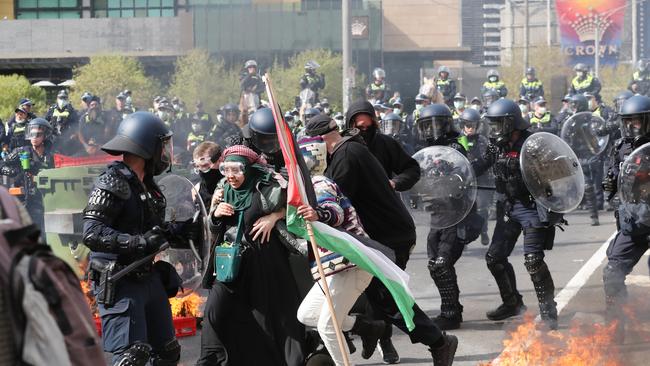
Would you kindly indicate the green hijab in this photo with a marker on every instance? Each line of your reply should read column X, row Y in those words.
column 242, row 197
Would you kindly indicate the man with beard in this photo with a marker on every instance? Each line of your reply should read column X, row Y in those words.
column 351, row 165
column 228, row 126
column 205, row 158
column 94, row 126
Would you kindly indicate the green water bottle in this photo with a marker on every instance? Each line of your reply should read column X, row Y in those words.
column 25, row 161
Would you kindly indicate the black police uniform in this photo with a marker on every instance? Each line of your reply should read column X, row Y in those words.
column 123, row 223
column 477, row 145
column 62, row 118
column 32, row 196
column 631, row 240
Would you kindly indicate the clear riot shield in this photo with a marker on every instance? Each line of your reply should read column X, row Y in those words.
column 183, row 204
column 552, row 172
column 634, row 186
column 447, row 185
column 582, row 132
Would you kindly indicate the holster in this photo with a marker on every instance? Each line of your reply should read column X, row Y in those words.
column 100, row 271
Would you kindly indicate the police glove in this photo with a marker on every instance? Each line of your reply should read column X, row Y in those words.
column 491, row 154
column 609, row 184
column 153, row 240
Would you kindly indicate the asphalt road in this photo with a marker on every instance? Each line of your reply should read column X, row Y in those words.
column 481, row 340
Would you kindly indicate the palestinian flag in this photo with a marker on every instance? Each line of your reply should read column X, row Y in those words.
column 301, row 191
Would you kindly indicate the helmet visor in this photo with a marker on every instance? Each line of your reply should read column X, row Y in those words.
column 267, row 143
column 167, row 154
column 501, row 126
column 434, row 127
column 35, row 132
column 390, row 126
column 634, row 126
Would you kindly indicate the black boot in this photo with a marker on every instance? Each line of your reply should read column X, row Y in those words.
column 592, row 205
column 451, row 311
column 544, row 288
column 444, row 355
column 370, row 331
column 348, row 340
column 388, row 351
column 504, row 275
column 614, row 313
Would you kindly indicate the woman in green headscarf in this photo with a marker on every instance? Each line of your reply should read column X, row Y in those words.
column 251, row 320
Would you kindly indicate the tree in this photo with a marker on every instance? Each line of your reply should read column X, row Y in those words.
column 106, row 76
column 14, row 88
column 614, row 80
column 286, row 79
column 198, row 77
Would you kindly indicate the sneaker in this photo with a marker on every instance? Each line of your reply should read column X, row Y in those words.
column 506, row 311
column 444, row 355
column 595, row 222
column 388, row 351
column 448, row 323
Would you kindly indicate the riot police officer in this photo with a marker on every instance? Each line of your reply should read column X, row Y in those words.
column 61, row 115
column 517, row 211
column 228, row 126
column 124, row 223
column 260, row 135
column 460, row 103
column 445, row 85
column 30, row 160
column 631, row 240
column 583, row 81
column 378, row 89
column 17, row 126
column 445, row 246
column 541, row 119
column 493, row 83
column 531, row 87
column 490, row 96
column 311, row 80
column 250, row 81
column 477, row 143
column 393, row 125
column 640, row 83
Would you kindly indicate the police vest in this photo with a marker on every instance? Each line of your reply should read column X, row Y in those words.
column 582, row 85
column 59, row 115
column 531, row 85
column 493, row 85
column 546, row 118
column 192, row 137
column 637, row 76
column 97, row 120
column 464, row 142
column 444, row 86
column 19, row 128
column 375, row 87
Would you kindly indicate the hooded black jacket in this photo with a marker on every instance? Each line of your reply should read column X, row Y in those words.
column 362, row 179
column 402, row 169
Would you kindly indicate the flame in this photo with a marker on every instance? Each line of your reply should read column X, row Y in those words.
column 187, row 306
column 90, row 299
column 583, row 344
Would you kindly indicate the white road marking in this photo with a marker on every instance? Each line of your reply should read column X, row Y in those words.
column 581, row 277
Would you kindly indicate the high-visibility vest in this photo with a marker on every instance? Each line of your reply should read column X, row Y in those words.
column 582, row 84
column 546, row 118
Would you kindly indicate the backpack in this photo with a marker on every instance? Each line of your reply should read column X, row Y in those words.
column 50, row 321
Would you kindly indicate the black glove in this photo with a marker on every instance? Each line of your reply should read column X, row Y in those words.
column 491, row 154
column 609, row 184
column 191, row 230
column 154, row 239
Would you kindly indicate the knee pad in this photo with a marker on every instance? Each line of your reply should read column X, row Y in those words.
column 495, row 264
column 438, row 266
column 535, row 265
column 137, row 354
column 614, row 278
column 169, row 355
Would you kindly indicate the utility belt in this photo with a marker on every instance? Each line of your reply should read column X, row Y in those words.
column 105, row 275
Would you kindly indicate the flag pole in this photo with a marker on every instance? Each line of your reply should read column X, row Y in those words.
column 328, row 296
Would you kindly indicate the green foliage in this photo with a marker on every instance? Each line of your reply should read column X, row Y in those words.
column 286, row 79
column 614, row 80
column 14, row 88
column 547, row 61
column 197, row 77
column 108, row 75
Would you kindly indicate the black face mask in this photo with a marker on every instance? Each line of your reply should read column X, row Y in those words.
column 211, row 179
column 368, row 134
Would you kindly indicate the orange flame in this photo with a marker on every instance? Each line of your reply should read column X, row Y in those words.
column 90, row 299
column 188, row 306
column 584, row 344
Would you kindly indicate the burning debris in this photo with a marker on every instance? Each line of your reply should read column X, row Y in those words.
column 188, row 306
column 582, row 345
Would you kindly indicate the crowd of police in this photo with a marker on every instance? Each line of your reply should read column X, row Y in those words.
column 362, row 168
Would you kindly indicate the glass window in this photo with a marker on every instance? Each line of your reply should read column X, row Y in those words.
column 48, row 14
column 154, row 3
column 153, row 13
column 68, row 3
column 168, row 12
column 100, row 4
column 100, row 14
column 128, row 13
column 48, row 3
column 27, row 15
column 140, row 3
column 27, row 4
column 114, row 13
column 127, row 4
column 140, row 13
column 70, row 14
column 113, row 4
column 168, row 3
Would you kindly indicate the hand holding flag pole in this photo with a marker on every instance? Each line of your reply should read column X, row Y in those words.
column 287, row 142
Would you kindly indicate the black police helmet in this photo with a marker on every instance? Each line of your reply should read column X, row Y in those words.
column 262, row 131
column 470, row 116
column 624, row 95
column 504, row 117
column 579, row 103
column 40, row 123
column 310, row 112
column 636, row 108
column 638, row 104
column 434, row 121
column 145, row 135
